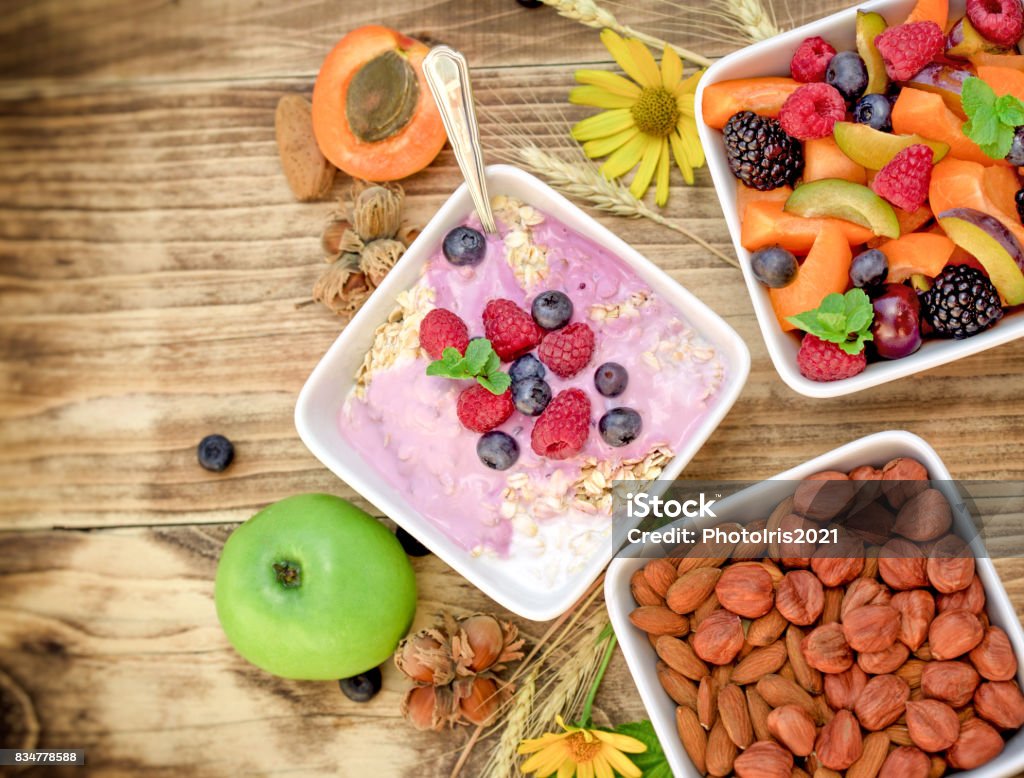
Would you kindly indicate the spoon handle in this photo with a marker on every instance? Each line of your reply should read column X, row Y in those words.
column 448, row 78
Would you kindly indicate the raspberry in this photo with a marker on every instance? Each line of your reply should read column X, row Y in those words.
column 820, row 360
column 481, row 411
column 441, row 329
column 907, row 48
column 812, row 111
column 1000, row 21
column 511, row 330
column 567, row 351
column 904, row 180
column 811, row 59
column 562, row 429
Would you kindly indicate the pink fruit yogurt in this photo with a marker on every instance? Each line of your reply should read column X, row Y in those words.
column 406, row 422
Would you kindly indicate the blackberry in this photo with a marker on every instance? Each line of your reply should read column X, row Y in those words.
column 1020, row 205
column 760, row 153
column 962, row 302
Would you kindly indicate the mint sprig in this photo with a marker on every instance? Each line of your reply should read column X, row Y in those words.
column 480, row 362
column 841, row 319
column 992, row 120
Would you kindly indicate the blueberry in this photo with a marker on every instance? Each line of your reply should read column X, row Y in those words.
column 552, row 310
column 611, row 379
column 215, row 452
column 531, row 396
column 1016, row 155
column 464, row 246
column 530, row 3
column 847, row 73
column 362, row 687
column 527, row 366
column 410, row 545
column 774, row 266
column 869, row 268
column 875, row 111
column 620, row 426
column 497, row 450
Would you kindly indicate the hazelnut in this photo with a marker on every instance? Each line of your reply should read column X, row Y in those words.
column 972, row 598
column 839, row 743
column 423, row 658
column 950, row 565
column 871, row 628
column 902, row 565
column 823, row 496
column 1001, row 703
column 917, row 609
column 800, row 597
column 764, row 760
column 746, row 590
column 951, row 682
column 933, row 725
column 906, row 762
column 977, row 744
column 865, row 473
column 924, row 516
column 826, row 649
column 870, row 520
column 954, row 633
column 794, row 728
column 994, row 657
column 796, row 555
column 838, row 564
column 719, row 638
column 429, row 707
column 842, row 690
column 902, row 479
column 888, row 660
column 481, row 705
column 864, row 591
column 882, row 701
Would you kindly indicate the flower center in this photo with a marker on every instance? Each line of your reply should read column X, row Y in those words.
column 656, row 112
column 583, row 750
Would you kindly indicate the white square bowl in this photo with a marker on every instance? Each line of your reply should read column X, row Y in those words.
column 771, row 58
column 320, row 401
column 874, row 450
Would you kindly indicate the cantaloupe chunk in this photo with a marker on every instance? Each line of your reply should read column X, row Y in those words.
column 764, row 96
column 745, row 195
column 916, row 252
column 767, row 224
column 957, row 183
column 824, row 159
column 1004, row 81
column 926, row 114
column 988, row 59
column 930, row 11
column 825, row 270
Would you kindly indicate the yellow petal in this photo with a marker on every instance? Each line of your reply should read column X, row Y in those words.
column 601, row 98
column 685, row 104
column 603, row 124
column 671, row 68
column 689, row 85
column 536, row 744
column 642, row 180
column 585, row 770
column 681, row 157
column 621, row 763
column 601, row 767
column 661, row 191
column 622, row 53
column 545, row 762
column 567, row 769
column 602, row 147
column 625, row 157
column 644, row 60
column 621, row 742
column 691, row 142
column 610, row 82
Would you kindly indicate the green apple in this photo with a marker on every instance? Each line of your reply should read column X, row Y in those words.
column 314, row 588
column 834, row 197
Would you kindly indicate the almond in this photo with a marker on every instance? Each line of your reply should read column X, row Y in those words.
column 681, row 689
column 977, row 744
column 972, row 598
column 759, row 662
column 705, row 609
column 902, row 479
column 805, row 675
column 824, row 496
column 693, row 737
column 721, row 751
column 309, row 174
column 839, row 743
column 937, row 767
column 780, row 512
column 826, row 649
column 1001, row 703
column 932, row 725
column 800, row 597
column 778, row 691
column 722, row 674
column 642, row 591
column 906, row 762
column 951, row 682
column 924, row 516
column 707, row 702
column 660, row 575
column 871, row 627
column 898, row 735
column 746, row 590
column 659, row 620
column 691, row 589
column 734, row 715
column 719, row 638
column 911, row 672
column 767, row 629
column 993, row 657
column 882, row 702
column 864, row 591
column 875, row 747
column 954, row 633
column 764, row 760
column 832, row 612
column 842, row 690
column 917, row 609
column 678, row 655
column 759, row 712
column 950, row 565
column 794, row 728
column 902, row 565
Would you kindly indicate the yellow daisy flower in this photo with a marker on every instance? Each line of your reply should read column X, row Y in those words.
column 645, row 118
column 584, row 753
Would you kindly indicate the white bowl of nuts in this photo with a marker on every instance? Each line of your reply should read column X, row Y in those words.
column 901, row 661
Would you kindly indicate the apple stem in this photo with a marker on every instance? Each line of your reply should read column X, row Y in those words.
column 289, row 574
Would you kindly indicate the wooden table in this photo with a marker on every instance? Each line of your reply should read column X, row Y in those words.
column 152, row 261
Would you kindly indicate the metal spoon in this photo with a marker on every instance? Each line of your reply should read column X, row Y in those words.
column 448, row 78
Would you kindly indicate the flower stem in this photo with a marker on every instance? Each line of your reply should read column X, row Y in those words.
column 588, row 704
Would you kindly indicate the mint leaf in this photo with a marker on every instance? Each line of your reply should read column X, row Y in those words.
column 652, row 762
column 1000, row 145
column 841, row 319
column 1010, row 110
column 493, row 363
column 438, row 368
column 495, row 383
column 477, row 353
column 977, row 97
column 991, row 121
column 480, row 362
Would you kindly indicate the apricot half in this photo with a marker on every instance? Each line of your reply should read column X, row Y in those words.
column 373, row 114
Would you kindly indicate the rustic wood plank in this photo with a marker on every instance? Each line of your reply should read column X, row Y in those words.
column 121, row 39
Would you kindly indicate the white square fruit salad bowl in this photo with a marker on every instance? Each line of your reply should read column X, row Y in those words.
column 535, row 534
column 926, row 108
column 874, row 451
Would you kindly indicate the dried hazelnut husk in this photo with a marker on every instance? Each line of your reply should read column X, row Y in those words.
column 481, row 642
column 339, row 238
column 377, row 210
column 342, row 288
column 426, row 657
column 378, row 257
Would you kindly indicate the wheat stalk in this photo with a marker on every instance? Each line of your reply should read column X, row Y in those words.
column 502, row 760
